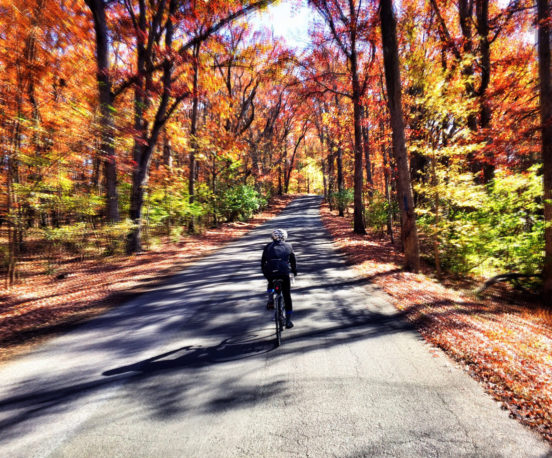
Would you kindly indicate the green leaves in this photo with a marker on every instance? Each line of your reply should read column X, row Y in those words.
column 170, row 205
column 514, row 222
column 83, row 240
column 342, row 199
column 377, row 211
column 488, row 230
column 239, row 202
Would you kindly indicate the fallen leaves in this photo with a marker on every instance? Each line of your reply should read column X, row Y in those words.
column 506, row 347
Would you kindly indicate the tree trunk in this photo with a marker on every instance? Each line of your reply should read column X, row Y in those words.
column 145, row 140
column 340, row 181
column 13, row 210
column 96, row 169
column 339, row 166
column 107, row 125
column 292, row 162
column 30, row 58
column 284, row 162
column 12, row 251
column 167, row 151
column 358, row 216
column 387, row 185
column 366, row 148
column 134, row 244
column 409, row 234
column 193, row 123
column 280, row 189
column 387, row 178
column 482, row 11
column 323, row 167
column 324, row 178
column 544, row 35
column 436, row 210
column 214, row 189
column 465, row 10
column 193, row 132
column 331, row 178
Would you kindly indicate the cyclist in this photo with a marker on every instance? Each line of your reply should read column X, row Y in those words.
column 278, row 261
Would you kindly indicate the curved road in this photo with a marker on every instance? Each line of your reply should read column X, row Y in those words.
column 190, row 370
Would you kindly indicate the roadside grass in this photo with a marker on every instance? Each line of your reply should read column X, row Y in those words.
column 47, row 303
column 506, row 346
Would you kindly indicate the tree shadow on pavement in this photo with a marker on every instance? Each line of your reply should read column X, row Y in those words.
column 191, row 361
column 197, row 356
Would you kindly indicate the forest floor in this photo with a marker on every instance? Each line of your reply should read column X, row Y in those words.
column 506, row 346
column 43, row 305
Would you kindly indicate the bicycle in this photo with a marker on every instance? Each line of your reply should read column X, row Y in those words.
column 279, row 311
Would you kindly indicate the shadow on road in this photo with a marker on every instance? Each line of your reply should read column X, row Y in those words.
column 197, row 356
column 190, row 362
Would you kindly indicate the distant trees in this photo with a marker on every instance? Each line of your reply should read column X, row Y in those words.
column 351, row 26
column 347, row 22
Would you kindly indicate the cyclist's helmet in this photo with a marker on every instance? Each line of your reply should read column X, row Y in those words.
column 279, row 235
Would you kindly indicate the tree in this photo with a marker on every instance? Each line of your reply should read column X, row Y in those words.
column 38, row 128
column 327, row 84
column 409, row 233
column 289, row 167
column 181, row 113
column 193, row 127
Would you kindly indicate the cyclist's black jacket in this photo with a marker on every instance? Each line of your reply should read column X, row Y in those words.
column 278, row 260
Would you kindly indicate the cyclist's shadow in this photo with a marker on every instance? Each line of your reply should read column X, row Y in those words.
column 197, row 356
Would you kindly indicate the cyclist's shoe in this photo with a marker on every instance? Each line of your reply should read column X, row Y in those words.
column 270, row 305
column 289, row 323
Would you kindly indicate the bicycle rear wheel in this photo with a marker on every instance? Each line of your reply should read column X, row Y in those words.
column 278, row 319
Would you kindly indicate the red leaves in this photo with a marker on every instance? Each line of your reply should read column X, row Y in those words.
column 506, row 347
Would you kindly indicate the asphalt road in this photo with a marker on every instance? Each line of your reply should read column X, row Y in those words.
column 190, row 370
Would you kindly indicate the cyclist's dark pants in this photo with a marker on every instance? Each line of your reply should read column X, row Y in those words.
column 286, row 287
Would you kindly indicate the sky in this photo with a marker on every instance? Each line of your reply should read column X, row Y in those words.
column 288, row 19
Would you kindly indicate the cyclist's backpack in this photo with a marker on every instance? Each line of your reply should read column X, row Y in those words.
column 277, row 259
